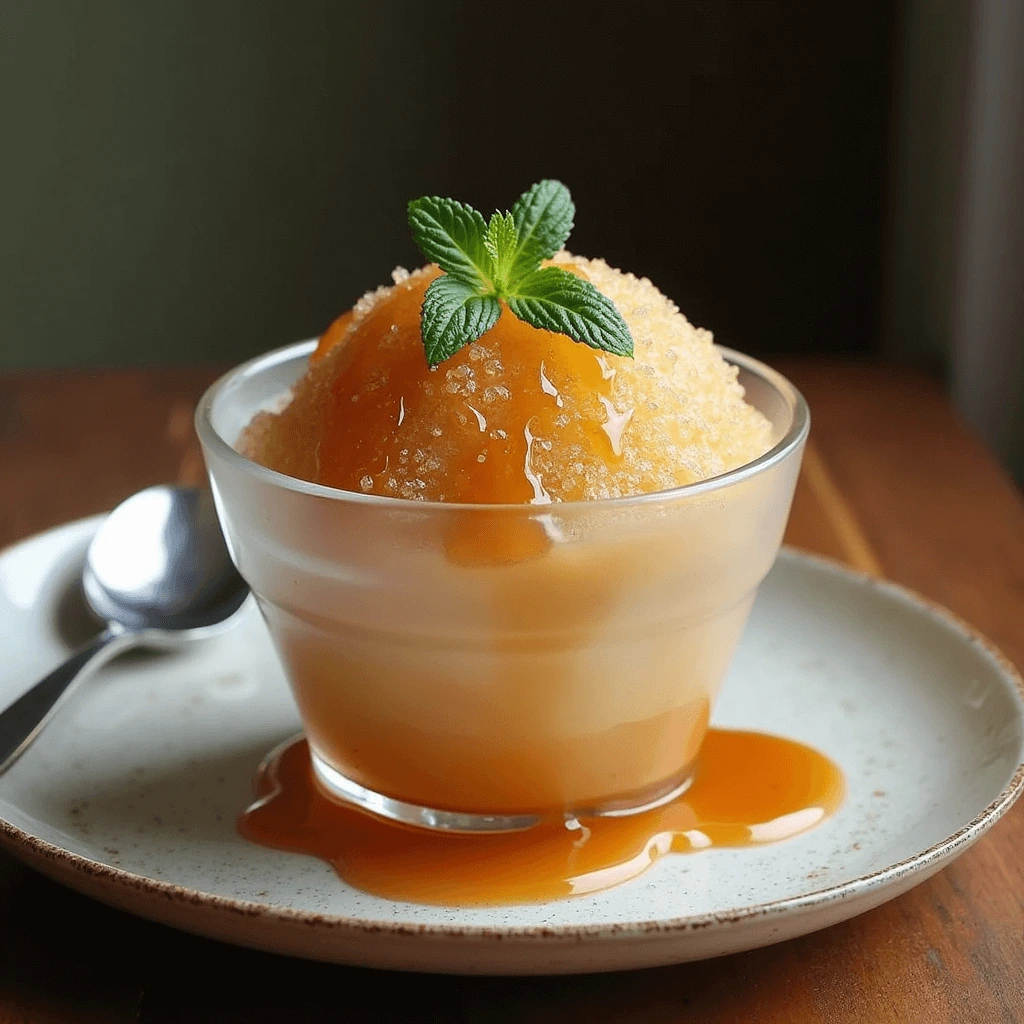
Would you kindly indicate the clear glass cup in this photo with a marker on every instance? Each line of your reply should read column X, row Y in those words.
column 475, row 667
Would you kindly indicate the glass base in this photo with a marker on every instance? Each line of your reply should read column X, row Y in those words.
column 339, row 787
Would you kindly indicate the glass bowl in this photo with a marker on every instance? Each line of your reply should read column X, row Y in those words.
column 477, row 667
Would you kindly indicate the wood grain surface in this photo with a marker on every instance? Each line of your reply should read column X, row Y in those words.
column 893, row 484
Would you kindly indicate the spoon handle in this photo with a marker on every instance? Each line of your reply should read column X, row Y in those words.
column 24, row 720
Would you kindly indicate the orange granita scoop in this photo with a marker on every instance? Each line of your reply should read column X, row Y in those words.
column 520, row 415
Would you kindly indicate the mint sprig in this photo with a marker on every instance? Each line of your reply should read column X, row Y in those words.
column 486, row 262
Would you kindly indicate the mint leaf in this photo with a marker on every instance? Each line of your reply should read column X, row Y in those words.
column 451, row 234
column 555, row 300
column 501, row 242
column 454, row 314
column 543, row 216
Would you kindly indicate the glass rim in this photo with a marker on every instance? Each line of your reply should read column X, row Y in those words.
column 212, row 440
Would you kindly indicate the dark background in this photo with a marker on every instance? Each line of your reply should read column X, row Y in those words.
column 200, row 182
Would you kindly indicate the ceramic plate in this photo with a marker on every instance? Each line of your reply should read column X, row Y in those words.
column 131, row 794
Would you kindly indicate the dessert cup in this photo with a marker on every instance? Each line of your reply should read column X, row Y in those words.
column 477, row 667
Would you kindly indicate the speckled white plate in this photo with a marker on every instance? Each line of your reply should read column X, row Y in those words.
column 131, row 795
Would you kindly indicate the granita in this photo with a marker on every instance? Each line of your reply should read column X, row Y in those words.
column 521, row 415
column 467, row 622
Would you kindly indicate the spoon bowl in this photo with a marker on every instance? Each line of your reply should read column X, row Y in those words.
column 158, row 574
column 159, row 563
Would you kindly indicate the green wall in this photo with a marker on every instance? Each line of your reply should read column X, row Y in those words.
column 200, row 180
column 197, row 182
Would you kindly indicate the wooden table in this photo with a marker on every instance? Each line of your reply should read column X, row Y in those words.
column 893, row 483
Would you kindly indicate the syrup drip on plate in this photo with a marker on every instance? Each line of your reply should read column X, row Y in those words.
column 749, row 789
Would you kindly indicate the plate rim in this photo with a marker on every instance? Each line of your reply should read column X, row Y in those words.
column 21, row 843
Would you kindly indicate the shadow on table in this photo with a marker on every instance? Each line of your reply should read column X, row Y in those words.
column 73, row 953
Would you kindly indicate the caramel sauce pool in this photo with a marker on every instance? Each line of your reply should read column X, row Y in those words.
column 748, row 789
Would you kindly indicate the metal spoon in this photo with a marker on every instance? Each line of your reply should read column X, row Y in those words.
column 159, row 574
